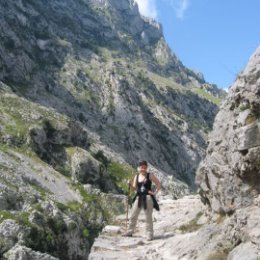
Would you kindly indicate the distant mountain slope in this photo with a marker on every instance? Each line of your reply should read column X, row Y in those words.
column 102, row 64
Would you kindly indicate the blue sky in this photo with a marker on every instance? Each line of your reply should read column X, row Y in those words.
column 215, row 37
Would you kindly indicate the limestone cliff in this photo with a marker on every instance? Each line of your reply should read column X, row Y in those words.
column 229, row 177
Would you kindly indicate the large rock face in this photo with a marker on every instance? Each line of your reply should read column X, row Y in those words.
column 229, row 177
column 105, row 66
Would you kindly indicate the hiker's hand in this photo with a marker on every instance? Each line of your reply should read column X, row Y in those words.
column 151, row 193
column 129, row 183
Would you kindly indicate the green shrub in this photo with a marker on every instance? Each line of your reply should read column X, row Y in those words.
column 85, row 232
column 62, row 207
column 74, row 206
column 99, row 155
column 23, row 219
column 47, row 238
column 48, row 128
column 4, row 214
column 120, row 173
column 38, row 207
column 58, row 226
column 72, row 226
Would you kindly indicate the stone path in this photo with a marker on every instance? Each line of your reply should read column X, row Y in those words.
column 174, row 214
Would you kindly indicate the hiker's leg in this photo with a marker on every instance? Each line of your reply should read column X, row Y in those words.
column 134, row 216
column 149, row 217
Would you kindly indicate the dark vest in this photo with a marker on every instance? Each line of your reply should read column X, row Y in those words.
column 142, row 191
column 144, row 186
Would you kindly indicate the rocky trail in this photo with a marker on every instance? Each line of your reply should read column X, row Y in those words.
column 170, row 226
column 184, row 229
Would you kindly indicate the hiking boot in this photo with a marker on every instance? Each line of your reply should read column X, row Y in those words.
column 127, row 234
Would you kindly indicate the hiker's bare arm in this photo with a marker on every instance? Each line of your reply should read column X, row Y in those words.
column 157, row 184
column 133, row 184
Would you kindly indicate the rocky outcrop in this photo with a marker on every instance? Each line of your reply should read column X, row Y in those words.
column 229, row 177
column 85, row 168
column 48, row 214
column 24, row 253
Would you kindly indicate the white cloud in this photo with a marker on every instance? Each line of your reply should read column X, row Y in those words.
column 147, row 8
column 180, row 7
column 226, row 89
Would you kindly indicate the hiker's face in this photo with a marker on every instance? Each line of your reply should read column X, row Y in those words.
column 143, row 168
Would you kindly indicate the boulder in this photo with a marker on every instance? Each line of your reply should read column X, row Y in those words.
column 10, row 232
column 19, row 252
column 245, row 251
column 112, row 229
column 85, row 168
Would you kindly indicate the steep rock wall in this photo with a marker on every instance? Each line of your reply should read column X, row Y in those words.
column 229, row 177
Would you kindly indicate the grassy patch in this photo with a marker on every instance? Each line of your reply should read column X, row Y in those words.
column 37, row 186
column 192, row 225
column 4, row 214
column 23, row 219
column 163, row 81
column 218, row 255
column 70, row 150
column 73, row 206
column 87, row 197
column 38, row 207
column 202, row 93
column 120, row 173
column 16, row 111
column 221, row 218
column 62, row 207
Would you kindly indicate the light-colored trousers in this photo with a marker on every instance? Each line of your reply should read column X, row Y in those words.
column 148, row 216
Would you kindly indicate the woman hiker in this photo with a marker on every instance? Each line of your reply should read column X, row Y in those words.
column 144, row 199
